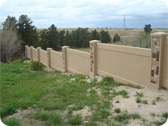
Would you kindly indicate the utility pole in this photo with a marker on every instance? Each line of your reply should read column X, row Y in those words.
column 124, row 22
column 124, row 25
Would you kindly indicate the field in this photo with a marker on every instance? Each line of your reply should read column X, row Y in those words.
column 42, row 98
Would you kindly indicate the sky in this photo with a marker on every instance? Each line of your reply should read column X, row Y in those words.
column 88, row 13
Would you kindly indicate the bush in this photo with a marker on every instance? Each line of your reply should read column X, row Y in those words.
column 37, row 65
column 116, row 38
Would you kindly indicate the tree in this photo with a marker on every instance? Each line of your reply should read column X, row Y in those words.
column 95, row 35
column 67, row 38
column 10, row 41
column 116, row 38
column 28, row 33
column 43, row 39
column 61, row 38
column 53, row 41
column 147, row 29
column 144, row 38
column 105, row 37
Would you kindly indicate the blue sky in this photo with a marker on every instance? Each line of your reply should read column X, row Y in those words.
column 88, row 13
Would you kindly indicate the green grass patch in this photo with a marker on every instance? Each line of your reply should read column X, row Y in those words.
column 122, row 117
column 12, row 122
column 8, row 110
column 75, row 120
column 135, row 116
column 99, row 115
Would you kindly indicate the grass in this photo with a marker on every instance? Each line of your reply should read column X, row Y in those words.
column 75, row 120
column 122, row 117
column 12, row 122
column 22, row 88
column 7, row 110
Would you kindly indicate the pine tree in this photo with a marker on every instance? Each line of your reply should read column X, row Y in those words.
column 43, row 39
column 28, row 33
column 105, row 37
column 116, row 38
column 61, row 38
column 95, row 35
column 53, row 41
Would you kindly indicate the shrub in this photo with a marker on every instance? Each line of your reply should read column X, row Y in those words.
column 37, row 65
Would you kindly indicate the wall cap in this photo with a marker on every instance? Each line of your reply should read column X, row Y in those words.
column 159, row 34
column 95, row 41
column 65, row 47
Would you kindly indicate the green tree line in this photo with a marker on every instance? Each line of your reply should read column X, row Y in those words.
column 52, row 38
column 78, row 38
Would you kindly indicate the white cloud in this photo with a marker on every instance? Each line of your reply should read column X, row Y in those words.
column 81, row 11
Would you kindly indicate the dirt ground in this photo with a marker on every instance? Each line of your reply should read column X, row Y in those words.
column 144, row 110
column 125, row 104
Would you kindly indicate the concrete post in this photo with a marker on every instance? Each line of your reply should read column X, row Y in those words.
column 26, row 50
column 64, row 57
column 31, row 52
column 157, row 59
column 38, row 53
column 49, row 56
column 93, row 57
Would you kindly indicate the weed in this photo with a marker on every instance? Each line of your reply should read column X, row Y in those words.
column 123, row 93
column 130, row 85
column 104, row 113
column 92, row 91
column 138, row 100
column 122, row 117
column 145, row 101
column 118, row 110
column 135, row 116
column 117, row 101
column 108, row 78
column 41, row 116
column 140, row 94
column 103, row 105
column 139, row 105
column 165, row 115
column 158, row 98
column 12, row 122
column 152, row 114
column 98, row 115
column 144, row 121
column 153, row 102
column 75, row 120
column 54, row 119
column 159, row 123
column 8, row 110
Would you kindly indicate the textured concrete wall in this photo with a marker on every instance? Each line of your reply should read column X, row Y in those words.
column 56, row 60
column 147, row 67
column 28, row 52
column 126, row 64
column 43, row 57
column 35, row 54
column 78, row 62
